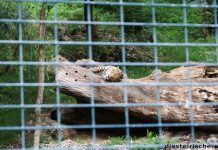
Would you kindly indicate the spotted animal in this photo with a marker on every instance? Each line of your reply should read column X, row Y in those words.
column 108, row 73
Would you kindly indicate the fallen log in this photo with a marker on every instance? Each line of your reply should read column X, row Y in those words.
column 174, row 89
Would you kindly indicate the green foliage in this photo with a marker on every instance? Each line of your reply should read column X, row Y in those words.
column 116, row 141
column 9, row 138
column 138, row 72
column 150, row 139
column 74, row 12
column 9, row 117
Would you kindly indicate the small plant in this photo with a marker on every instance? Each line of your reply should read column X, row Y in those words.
column 150, row 139
column 78, row 140
column 116, row 141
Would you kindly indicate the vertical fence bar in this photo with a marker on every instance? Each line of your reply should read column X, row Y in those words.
column 187, row 53
column 20, row 28
column 56, row 75
column 125, row 89
column 216, row 28
column 90, row 48
column 154, row 31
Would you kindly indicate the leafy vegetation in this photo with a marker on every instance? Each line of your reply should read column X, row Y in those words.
column 75, row 12
column 150, row 139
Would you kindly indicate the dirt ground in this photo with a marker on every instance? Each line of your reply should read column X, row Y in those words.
column 82, row 139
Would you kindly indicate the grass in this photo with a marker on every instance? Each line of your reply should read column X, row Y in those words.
column 9, row 138
column 138, row 72
column 9, row 117
column 150, row 139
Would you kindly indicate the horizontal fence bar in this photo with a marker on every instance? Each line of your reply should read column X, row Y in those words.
column 84, row 43
column 123, row 84
column 61, row 22
column 132, row 146
column 101, row 147
column 120, row 3
column 103, row 126
column 122, row 105
column 36, row 63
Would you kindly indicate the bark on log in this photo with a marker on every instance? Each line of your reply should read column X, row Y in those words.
column 69, row 73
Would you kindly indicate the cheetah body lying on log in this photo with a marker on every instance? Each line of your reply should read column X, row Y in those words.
column 108, row 73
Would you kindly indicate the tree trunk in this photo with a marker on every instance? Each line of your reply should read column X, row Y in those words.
column 93, row 27
column 39, row 100
column 208, row 15
column 71, row 77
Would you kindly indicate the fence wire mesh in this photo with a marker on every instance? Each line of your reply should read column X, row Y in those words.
column 20, row 20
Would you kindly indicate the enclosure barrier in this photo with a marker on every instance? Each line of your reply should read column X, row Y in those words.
column 123, row 43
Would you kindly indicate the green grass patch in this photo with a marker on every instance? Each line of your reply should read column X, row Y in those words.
column 138, row 72
column 150, row 139
column 9, row 117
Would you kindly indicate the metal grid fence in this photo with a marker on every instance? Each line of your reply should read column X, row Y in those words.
column 155, row 44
